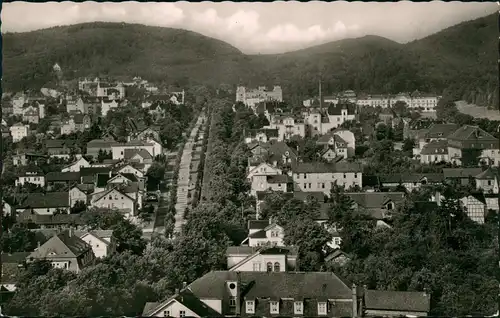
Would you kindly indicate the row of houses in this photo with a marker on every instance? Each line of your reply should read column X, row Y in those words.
column 417, row 100
column 452, row 143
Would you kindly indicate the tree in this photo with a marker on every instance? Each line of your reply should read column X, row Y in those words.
column 155, row 173
column 18, row 239
column 408, row 145
column 128, row 237
column 103, row 154
column 80, row 206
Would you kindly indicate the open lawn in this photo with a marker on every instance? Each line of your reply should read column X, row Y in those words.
column 477, row 111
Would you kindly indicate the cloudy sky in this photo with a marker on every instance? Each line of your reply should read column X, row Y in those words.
column 258, row 27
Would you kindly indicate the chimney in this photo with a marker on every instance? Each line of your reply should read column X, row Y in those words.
column 38, row 243
column 238, row 293
column 177, row 291
column 354, row 301
column 184, row 285
column 70, row 231
column 110, row 173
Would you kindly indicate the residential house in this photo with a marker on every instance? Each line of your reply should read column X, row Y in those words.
column 474, row 205
column 467, row 140
column 423, row 101
column 31, row 174
column 75, row 105
column 262, row 294
column 338, row 257
column 89, row 175
column 436, row 132
column 251, row 97
column 378, row 205
column 434, row 152
column 91, row 105
column 64, row 251
column 45, row 203
column 279, row 154
column 410, row 181
column 30, row 115
column 19, row 131
column 460, row 176
column 266, row 176
column 148, row 132
column 101, row 241
column 60, row 148
column 108, row 90
column 78, row 193
column 261, row 135
column 261, row 259
column 118, row 149
column 264, row 233
column 487, row 181
column 134, row 169
column 79, row 163
column 335, row 146
column 55, row 178
column 340, row 113
column 95, row 145
column 116, row 199
column 13, row 265
column 18, row 102
column 288, row 126
column 23, row 159
column 48, row 221
column 107, row 105
column 318, row 176
column 386, row 303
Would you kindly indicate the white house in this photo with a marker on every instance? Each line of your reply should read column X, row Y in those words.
column 487, row 181
column 76, row 193
column 18, row 131
column 107, row 105
column 77, row 165
column 102, row 241
column 271, row 235
column 261, row 259
column 118, row 149
column 115, row 199
column 131, row 169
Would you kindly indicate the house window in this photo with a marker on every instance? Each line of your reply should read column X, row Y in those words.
column 322, row 308
column 110, row 197
column 256, row 267
column 298, row 308
column 305, row 175
column 355, row 176
column 182, row 313
column 232, row 301
column 279, row 185
column 390, row 206
column 269, row 267
column 305, row 185
column 166, row 313
column 489, row 182
column 322, row 185
column 276, row 267
column 345, row 176
column 309, row 185
column 250, row 307
column 274, row 306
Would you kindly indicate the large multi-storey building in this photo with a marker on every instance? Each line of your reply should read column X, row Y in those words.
column 251, row 97
column 470, row 139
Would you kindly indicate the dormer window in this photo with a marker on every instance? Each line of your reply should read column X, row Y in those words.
column 322, row 308
column 269, row 266
column 250, row 306
column 274, row 307
column 390, row 206
column 298, row 308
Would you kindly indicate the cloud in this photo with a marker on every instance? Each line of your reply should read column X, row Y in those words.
column 21, row 16
column 241, row 23
column 292, row 34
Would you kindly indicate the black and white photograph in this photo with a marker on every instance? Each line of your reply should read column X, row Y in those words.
column 250, row 159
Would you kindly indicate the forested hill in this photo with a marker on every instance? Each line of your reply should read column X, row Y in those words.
column 460, row 61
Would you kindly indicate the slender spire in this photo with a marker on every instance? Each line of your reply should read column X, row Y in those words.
column 320, row 96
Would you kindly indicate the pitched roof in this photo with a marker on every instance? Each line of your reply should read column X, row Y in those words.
column 62, row 176
column 336, row 110
column 487, row 174
column 375, row 199
column 441, row 130
column 468, row 132
column 461, row 172
column 410, row 177
column 320, row 167
column 435, row 147
column 279, row 178
column 267, row 131
column 46, row 200
column 282, row 149
column 264, row 250
column 257, row 224
column 60, row 143
column 99, row 143
column 92, row 171
column 61, row 245
column 14, row 258
column 239, row 250
column 130, row 153
column 274, row 285
column 189, row 300
column 303, row 196
column 397, row 300
column 102, row 180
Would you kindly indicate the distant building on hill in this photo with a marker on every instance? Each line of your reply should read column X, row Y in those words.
column 251, row 97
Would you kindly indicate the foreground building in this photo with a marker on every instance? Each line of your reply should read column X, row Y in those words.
column 284, row 294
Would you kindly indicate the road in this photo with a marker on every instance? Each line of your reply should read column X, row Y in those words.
column 184, row 182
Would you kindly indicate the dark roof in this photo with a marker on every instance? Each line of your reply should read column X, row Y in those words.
column 242, row 250
column 404, row 178
column 337, row 109
column 60, row 143
column 435, row 147
column 62, row 176
column 320, row 167
column 99, row 143
column 475, row 133
column 258, row 234
column 303, row 196
column 370, row 181
column 261, row 195
column 102, row 180
column 267, row 131
column 277, row 285
column 375, row 199
column 14, row 258
column 258, row 224
column 279, row 178
column 129, row 153
column 189, row 300
column 441, row 130
column 487, row 174
column 63, row 245
column 461, row 172
column 91, row 171
column 397, row 300
column 46, row 200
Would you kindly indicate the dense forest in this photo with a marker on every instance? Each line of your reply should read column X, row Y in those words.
column 458, row 62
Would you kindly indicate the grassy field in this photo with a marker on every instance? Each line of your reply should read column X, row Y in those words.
column 477, row 111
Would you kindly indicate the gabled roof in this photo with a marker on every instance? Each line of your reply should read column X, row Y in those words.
column 320, row 167
column 473, row 133
column 186, row 298
column 282, row 149
column 60, row 143
column 100, row 195
column 61, row 245
column 375, row 199
column 441, row 130
column 130, row 153
column 487, row 174
column 46, row 200
column 336, row 110
column 98, row 234
column 262, row 250
column 257, row 224
column 92, row 171
column 276, row 285
column 62, row 176
column 461, row 172
column 396, row 301
column 435, row 147
column 410, row 177
column 14, row 258
column 279, row 178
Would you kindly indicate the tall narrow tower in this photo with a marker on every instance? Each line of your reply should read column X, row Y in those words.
column 320, row 109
